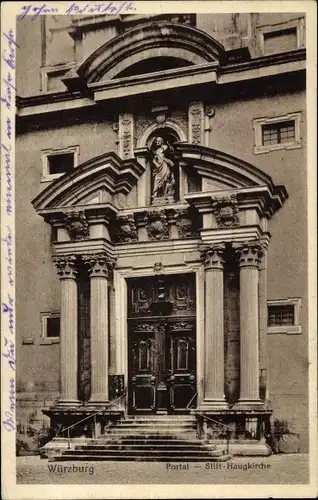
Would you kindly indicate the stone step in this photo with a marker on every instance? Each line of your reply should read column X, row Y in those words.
column 163, row 449
column 159, row 423
column 140, row 458
column 148, row 452
column 142, row 443
column 154, row 440
column 138, row 423
column 149, row 431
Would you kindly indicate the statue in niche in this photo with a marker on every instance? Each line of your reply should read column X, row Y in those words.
column 163, row 180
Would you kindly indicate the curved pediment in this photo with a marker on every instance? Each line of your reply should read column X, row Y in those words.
column 223, row 170
column 152, row 40
column 96, row 181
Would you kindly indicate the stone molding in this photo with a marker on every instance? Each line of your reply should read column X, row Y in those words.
column 249, row 253
column 66, row 266
column 76, row 225
column 225, row 209
column 213, row 256
column 99, row 265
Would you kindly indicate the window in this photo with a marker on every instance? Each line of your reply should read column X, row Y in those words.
column 50, row 328
column 281, row 132
column 278, row 133
column 280, row 41
column 58, row 162
column 51, row 77
column 283, row 316
column 281, row 37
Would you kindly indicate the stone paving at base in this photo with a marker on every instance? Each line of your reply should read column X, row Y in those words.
column 276, row 469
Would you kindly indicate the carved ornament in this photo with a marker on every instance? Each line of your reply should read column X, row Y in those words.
column 144, row 327
column 226, row 210
column 213, row 256
column 158, row 267
column 184, row 223
column 249, row 253
column 126, row 231
column 182, row 326
column 65, row 265
column 99, row 265
column 76, row 225
column 157, row 225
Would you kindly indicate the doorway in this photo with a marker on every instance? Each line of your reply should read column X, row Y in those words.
column 161, row 344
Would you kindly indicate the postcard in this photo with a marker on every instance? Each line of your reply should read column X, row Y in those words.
column 158, row 249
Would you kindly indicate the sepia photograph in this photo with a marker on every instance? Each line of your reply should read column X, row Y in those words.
column 155, row 249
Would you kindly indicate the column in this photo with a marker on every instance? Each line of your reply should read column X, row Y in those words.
column 68, row 331
column 214, row 329
column 249, row 258
column 99, row 268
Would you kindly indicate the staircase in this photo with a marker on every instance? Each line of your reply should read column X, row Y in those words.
column 165, row 439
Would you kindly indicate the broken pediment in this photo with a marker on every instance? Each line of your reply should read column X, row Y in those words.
column 99, row 181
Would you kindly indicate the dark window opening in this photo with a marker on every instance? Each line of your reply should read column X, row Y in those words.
column 61, row 163
column 53, row 327
column 281, row 315
column 278, row 133
column 152, row 65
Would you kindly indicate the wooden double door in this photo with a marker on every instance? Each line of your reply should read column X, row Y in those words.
column 162, row 345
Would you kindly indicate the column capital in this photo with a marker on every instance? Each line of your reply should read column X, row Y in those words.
column 66, row 266
column 99, row 265
column 249, row 253
column 212, row 256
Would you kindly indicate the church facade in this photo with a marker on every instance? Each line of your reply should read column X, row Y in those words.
column 161, row 200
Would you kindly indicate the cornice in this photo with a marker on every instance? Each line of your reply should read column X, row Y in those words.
column 220, row 75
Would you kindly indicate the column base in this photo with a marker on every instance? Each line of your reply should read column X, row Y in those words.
column 248, row 404
column 213, row 404
column 98, row 401
column 68, row 403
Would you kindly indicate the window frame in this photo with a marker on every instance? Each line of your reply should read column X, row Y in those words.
column 44, row 340
column 259, row 123
column 46, row 153
column 51, row 70
column 294, row 329
column 298, row 24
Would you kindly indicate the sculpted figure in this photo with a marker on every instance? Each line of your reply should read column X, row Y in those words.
column 162, row 169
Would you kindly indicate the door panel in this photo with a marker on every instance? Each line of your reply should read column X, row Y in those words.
column 182, row 363
column 161, row 344
column 142, row 361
